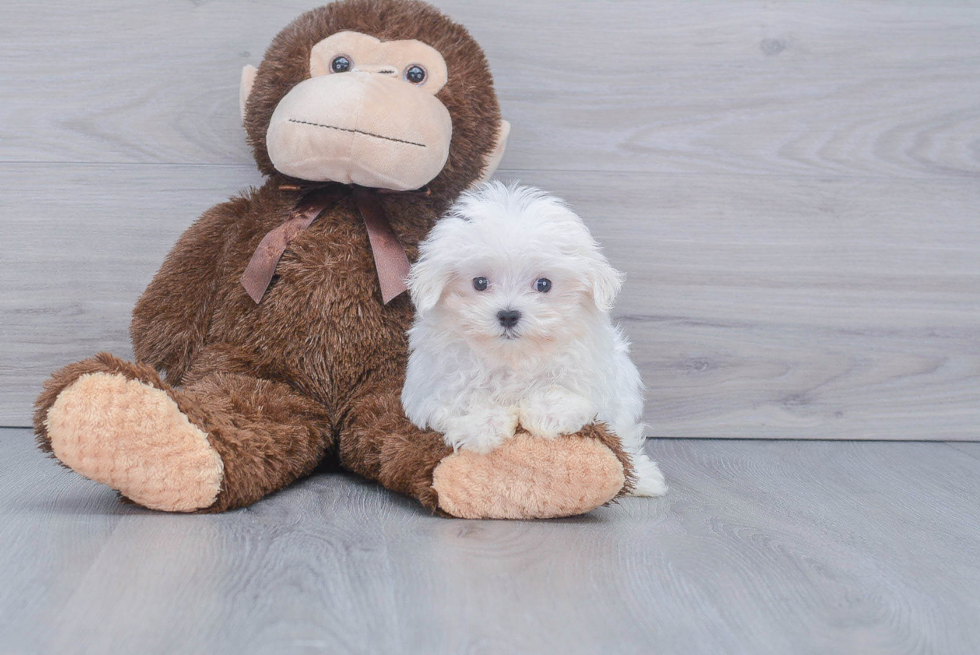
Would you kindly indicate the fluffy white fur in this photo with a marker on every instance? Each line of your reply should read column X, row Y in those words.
column 562, row 366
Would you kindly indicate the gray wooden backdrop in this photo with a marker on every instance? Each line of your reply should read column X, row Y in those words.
column 792, row 188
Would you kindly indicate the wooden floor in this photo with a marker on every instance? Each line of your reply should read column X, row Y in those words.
column 792, row 190
column 789, row 547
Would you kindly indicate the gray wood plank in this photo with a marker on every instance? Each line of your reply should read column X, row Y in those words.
column 53, row 525
column 77, row 254
column 971, row 448
column 759, row 547
column 758, row 306
column 822, row 88
column 776, row 305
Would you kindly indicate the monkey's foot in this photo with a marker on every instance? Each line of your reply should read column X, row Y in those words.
column 131, row 436
column 528, row 477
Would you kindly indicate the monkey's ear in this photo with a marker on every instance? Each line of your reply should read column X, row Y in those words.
column 493, row 159
column 245, row 89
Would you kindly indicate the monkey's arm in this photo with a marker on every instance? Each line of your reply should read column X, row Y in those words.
column 525, row 477
column 170, row 320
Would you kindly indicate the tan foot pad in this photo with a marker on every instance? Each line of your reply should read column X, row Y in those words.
column 529, row 477
column 135, row 439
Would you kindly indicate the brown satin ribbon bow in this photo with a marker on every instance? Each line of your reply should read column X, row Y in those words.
column 389, row 255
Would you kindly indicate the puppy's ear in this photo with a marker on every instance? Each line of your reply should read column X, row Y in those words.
column 426, row 282
column 604, row 281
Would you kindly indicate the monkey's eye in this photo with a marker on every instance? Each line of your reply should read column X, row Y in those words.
column 415, row 74
column 340, row 64
column 481, row 283
column 543, row 285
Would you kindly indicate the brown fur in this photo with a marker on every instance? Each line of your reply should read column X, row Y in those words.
column 316, row 369
column 468, row 96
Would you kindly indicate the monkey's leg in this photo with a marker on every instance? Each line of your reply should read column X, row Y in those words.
column 526, row 477
column 225, row 441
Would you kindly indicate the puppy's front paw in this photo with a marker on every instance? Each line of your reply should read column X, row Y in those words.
column 555, row 412
column 481, row 430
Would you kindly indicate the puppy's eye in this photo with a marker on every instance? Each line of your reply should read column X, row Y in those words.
column 415, row 74
column 543, row 285
column 481, row 283
column 341, row 64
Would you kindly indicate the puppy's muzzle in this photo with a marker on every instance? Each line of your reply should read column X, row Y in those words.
column 508, row 318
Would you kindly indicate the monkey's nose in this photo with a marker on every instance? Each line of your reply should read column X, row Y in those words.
column 508, row 317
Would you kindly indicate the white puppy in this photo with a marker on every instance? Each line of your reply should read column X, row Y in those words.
column 512, row 296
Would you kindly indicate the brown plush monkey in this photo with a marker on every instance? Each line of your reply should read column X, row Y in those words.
column 360, row 97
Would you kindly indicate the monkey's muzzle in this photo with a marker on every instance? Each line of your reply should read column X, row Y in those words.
column 360, row 128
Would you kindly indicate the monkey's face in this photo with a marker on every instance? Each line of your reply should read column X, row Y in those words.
column 386, row 94
column 368, row 115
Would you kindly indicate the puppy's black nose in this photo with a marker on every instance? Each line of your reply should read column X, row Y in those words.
column 508, row 317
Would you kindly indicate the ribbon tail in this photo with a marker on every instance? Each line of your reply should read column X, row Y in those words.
column 390, row 259
column 262, row 267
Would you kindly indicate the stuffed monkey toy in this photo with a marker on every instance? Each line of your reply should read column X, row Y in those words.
column 278, row 320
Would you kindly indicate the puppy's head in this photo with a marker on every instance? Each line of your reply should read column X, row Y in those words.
column 512, row 268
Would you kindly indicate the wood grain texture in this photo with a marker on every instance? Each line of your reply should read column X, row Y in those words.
column 759, row 547
column 971, row 448
column 822, row 88
column 791, row 188
column 82, row 242
column 758, row 307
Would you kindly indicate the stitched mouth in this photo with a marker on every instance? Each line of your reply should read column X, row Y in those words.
column 353, row 131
